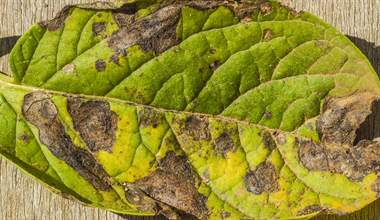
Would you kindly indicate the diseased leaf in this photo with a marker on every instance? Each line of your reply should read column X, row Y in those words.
column 213, row 109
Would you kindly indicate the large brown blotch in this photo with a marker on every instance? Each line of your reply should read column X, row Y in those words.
column 263, row 179
column 39, row 110
column 340, row 150
column 95, row 122
column 158, row 31
column 174, row 184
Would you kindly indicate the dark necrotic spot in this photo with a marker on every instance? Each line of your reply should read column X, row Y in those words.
column 150, row 118
column 268, row 141
column 263, row 179
column 100, row 65
column 196, row 127
column 115, row 59
column 175, row 184
column 224, row 144
column 95, row 122
column 24, row 138
column 310, row 210
column 39, row 110
column 98, row 28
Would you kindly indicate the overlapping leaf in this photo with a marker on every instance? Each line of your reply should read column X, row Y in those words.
column 215, row 109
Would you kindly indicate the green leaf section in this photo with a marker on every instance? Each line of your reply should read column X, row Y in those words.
column 240, row 80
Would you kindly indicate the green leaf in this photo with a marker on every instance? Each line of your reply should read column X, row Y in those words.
column 218, row 110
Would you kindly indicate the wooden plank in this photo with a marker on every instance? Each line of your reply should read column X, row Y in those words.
column 21, row 197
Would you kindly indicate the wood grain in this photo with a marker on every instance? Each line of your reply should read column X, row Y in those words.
column 22, row 198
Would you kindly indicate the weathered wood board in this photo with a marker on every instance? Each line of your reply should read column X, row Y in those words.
column 22, row 198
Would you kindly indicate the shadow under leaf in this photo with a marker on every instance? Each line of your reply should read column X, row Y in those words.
column 7, row 43
column 370, row 49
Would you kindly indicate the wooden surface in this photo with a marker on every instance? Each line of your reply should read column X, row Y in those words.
column 22, row 198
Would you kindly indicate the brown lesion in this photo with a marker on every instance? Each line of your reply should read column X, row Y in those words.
column 98, row 28
column 268, row 140
column 100, row 65
column 39, row 110
column 156, row 32
column 224, row 144
column 310, row 210
column 59, row 21
column 266, row 8
column 263, row 179
column 25, row 138
column 95, row 122
column 149, row 117
column 196, row 127
column 173, row 189
column 341, row 148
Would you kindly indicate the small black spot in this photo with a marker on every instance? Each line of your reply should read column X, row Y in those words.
column 100, row 65
column 115, row 58
column 268, row 141
column 25, row 138
column 214, row 65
